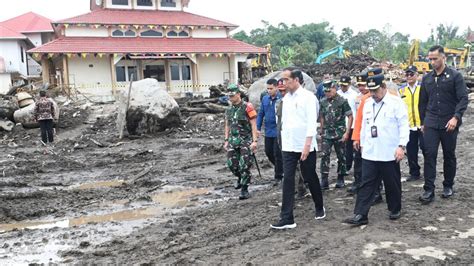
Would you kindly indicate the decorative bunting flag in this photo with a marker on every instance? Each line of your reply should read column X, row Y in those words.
column 100, row 55
column 84, row 55
column 69, row 55
column 96, row 26
column 50, row 55
column 66, row 26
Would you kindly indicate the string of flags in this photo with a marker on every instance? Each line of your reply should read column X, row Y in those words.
column 136, row 26
column 137, row 55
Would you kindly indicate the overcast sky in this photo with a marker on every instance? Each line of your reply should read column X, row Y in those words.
column 406, row 16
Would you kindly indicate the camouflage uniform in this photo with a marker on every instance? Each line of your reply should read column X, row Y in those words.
column 239, row 158
column 334, row 113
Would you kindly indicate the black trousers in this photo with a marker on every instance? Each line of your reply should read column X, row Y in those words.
column 46, row 127
column 349, row 152
column 273, row 152
column 357, row 167
column 308, row 170
column 413, row 146
column 374, row 172
column 432, row 137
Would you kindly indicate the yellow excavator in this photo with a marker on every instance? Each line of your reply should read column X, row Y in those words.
column 414, row 59
column 459, row 58
column 261, row 64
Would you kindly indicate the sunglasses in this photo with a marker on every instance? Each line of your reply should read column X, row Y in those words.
column 410, row 74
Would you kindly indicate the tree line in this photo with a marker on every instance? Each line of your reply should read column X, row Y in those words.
column 298, row 45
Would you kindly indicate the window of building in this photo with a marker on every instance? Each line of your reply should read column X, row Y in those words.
column 186, row 72
column 132, row 70
column 168, row 3
column 151, row 33
column 172, row 34
column 120, row 2
column 130, row 33
column 183, row 34
column 120, row 72
column 174, row 72
column 124, row 73
column 155, row 71
column 144, row 3
column 117, row 33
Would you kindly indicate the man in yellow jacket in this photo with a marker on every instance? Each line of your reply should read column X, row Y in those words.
column 410, row 94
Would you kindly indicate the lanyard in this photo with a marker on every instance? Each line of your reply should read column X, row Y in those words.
column 375, row 117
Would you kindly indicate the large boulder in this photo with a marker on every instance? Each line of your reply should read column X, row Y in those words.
column 151, row 108
column 26, row 115
column 260, row 86
column 8, row 106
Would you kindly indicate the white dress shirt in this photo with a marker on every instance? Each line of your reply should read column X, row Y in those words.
column 350, row 95
column 298, row 120
column 392, row 128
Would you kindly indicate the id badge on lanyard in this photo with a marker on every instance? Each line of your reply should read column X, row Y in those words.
column 373, row 130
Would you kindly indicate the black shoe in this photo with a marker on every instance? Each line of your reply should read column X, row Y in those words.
column 357, row 220
column 324, row 183
column 321, row 214
column 237, row 184
column 283, row 225
column 447, row 192
column 413, row 178
column 340, row 182
column 377, row 199
column 302, row 195
column 244, row 194
column 394, row 215
column 427, row 197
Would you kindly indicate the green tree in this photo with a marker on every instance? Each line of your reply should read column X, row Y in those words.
column 346, row 35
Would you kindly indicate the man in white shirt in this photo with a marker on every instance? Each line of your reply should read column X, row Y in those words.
column 384, row 135
column 350, row 95
column 298, row 135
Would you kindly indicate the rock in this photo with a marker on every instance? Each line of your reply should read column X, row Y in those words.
column 8, row 106
column 24, row 99
column 6, row 125
column 26, row 116
column 260, row 86
column 151, row 108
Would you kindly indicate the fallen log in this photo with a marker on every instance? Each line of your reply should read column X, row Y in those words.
column 196, row 102
column 215, row 108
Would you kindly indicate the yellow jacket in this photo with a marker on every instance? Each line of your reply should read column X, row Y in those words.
column 412, row 100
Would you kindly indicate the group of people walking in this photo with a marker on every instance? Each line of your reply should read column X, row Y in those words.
column 371, row 131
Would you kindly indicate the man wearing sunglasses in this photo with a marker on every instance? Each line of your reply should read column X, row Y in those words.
column 410, row 94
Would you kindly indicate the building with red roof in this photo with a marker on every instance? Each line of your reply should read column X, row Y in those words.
column 18, row 35
column 157, row 39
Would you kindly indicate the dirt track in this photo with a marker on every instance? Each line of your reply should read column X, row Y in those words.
column 169, row 199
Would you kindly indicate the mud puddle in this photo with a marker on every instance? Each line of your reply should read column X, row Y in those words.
column 172, row 197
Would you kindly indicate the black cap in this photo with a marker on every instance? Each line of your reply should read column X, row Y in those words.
column 412, row 69
column 362, row 79
column 328, row 84
column 374, row 82
column 345, row 80
column 374, row 72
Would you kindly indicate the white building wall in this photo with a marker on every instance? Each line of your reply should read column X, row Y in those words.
column 90, row 72
column 204, row 33
column 35, row 38
column 234, row 60
column 5, row 82
column 86, row 32
column 11, row 52
column 211, row 70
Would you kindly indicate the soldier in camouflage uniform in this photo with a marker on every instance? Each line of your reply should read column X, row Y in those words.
column 240, row 138
column 334, row 132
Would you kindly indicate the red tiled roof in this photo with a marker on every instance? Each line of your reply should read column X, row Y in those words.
column 146, row 45
column 142, row 17
column 6, row 33
column 29, row 22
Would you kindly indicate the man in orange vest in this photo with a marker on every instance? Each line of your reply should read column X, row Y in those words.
column 410, row 95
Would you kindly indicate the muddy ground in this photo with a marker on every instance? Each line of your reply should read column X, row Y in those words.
column 169, row 199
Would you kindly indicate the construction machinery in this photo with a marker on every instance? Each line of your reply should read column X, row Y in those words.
column 459, row 58
column 261, row 64
column 338, row 50
column 415, row 59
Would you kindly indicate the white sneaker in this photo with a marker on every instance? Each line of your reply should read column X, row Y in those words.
column 283, row 225
column 320, row 214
